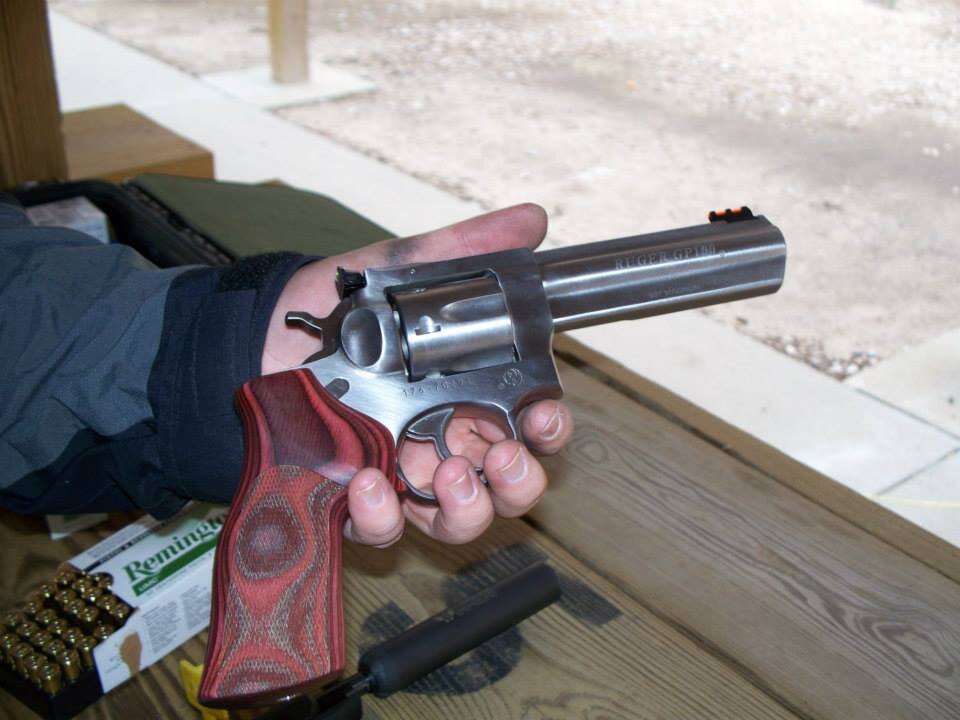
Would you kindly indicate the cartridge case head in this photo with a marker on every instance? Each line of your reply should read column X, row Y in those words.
column 65, row 597
column 27, row 629
column 51, row 679
column 85, row 648
column 45, row 617
column 58, row 626
column 55, row 647
column 71, row 636
column 65, row 578
column 70, row 665
column 103, row 630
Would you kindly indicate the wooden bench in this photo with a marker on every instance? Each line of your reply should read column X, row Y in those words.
column 695, row 586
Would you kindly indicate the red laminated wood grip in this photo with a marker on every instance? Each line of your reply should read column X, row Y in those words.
column 276, row 623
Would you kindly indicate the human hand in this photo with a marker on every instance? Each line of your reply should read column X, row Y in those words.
column 465, row 507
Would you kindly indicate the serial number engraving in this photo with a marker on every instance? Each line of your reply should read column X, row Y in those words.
column 660, row 256
column 434, row 386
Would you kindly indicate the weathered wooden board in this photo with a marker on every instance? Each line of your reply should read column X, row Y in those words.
column 115, row 142
column 597, row 653
column 874, row 518
column 828, row 618
column 289, row 32
column 31, row 145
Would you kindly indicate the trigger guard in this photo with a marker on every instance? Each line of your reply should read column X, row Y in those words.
column 433, row 428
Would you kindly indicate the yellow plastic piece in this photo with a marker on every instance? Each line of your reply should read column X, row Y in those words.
column 190, row 679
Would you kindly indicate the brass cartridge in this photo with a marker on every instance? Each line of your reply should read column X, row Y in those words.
column 88, row 618
column 51, row 679
column 47, row 589
column 34, row 664
column 55, row 647
column 35, row 597
column 12, row 618
column 71, row 636
column 41, row 640
column 82, row 584
column 120, row 613
column 57, row 627
column 85, row 649
column 19, row 654
column 65, row 597
column 103, row 630
column 31, row 608
column 103, row 580
column 45, row 617
column 9, row 641
column 70, row 664
column 65, row 578
column 107, row 603
column 75, row 607
column 27, row 629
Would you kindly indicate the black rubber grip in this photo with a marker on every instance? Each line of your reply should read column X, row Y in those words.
column 393, row 665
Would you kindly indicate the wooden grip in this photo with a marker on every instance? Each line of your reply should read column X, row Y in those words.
column 276, row 623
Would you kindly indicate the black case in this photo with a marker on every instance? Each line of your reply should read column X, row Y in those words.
column 186, row 221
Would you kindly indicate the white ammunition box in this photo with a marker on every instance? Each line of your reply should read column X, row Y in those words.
column 163, row 570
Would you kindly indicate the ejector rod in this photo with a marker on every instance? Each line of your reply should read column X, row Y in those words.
column 662, row 272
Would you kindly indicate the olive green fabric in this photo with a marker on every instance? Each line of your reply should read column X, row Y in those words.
column 249, row 219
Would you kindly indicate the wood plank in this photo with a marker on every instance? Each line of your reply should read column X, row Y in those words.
column 115, row 143
column 823, row 615
column 870, row 516
column 289, row 26
column 31, row 145
column 598, row 654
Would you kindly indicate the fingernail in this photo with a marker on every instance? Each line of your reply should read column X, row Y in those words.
column 552, row 428
column 465, row 488
column 372, row 495
column 516, row 469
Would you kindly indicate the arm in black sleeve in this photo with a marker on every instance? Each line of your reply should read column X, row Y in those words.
column 117, row 378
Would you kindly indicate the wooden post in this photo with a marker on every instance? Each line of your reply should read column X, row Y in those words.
column 289, row 59
column 31, row 142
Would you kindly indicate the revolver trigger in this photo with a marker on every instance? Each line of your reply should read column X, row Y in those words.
column 433, row 428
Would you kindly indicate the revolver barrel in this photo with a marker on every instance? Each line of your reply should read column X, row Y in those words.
column 662, row 272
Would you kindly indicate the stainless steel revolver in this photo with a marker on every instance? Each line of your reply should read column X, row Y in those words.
column 416, row 345
column 407, row 349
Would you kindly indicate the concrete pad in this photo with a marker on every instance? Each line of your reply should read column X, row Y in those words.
column 854, row 439
column 931, row 499
column 249, row 144
column 255, row 85
column 923, row 380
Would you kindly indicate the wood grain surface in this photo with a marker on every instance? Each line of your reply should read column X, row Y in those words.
column 276, row 629
column 31, row 144
column 289, row 29
column 826, row 617
column 877, row 520
column 694, row 587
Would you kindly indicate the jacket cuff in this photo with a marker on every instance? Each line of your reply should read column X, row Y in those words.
column 214, row 328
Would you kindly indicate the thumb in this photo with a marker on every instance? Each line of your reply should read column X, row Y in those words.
column 513, row 227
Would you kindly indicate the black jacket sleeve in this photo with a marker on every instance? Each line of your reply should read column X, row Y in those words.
column 117, row 377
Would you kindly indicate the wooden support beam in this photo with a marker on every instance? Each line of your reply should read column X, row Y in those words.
column 289, row 60
column 31, row 143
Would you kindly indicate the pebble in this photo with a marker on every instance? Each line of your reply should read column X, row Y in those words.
column 811, row 352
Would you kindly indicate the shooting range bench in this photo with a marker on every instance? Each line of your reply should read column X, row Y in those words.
column 698, row 582
column 694, row 586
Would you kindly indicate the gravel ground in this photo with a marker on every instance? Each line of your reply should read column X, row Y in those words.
column 839, row 119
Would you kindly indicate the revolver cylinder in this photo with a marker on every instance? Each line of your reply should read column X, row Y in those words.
column 454, row 327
